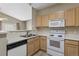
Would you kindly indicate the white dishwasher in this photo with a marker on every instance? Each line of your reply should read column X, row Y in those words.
column 17, row 48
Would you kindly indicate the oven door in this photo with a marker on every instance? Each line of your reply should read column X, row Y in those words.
column 56, row 44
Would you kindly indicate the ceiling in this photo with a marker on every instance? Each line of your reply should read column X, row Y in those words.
column 39, row 6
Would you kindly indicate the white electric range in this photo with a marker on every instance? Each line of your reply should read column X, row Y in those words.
column 55, row 43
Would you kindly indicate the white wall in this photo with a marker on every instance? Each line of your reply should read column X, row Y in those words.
column 34, row 17
column 29, row 25
column 9, row 23
column 8, row 26
column 21, row 11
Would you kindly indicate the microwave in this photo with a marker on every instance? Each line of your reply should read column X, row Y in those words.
column 56, row 23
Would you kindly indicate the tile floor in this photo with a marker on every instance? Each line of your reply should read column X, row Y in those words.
column 41, row 53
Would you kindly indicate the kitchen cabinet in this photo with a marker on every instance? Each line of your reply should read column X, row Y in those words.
column 57, row 15
column 43, row 43
column 36, row 44
column 70, row 19
column 33, row 45
column 77, row 16
column 30, row 47
column 42, row 21
column 71, row 48
column 51, row 16
column 39, row 21
column 60, row 15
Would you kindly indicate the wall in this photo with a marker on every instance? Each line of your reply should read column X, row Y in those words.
column 34, row 16
column 9, row 23
column 29, row 25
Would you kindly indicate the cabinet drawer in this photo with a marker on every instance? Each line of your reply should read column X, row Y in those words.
column 71, row 42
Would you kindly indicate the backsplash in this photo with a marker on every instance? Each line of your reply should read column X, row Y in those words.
column 43, row 31
column 46, row 31
column 70, row 32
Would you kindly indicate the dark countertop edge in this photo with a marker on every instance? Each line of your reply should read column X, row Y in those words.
column 16, row 44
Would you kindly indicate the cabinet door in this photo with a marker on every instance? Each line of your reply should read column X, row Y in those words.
column 38, row 21
column 52, row 16
column 30, row 48
column 70, row 17
column 44, row 21
column 71, row 50
column 36, row 45
column 77, row 16
column 60, row 15
column 43, row 44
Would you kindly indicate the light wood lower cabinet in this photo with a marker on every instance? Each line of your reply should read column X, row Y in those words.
column 71, row 48
column 35, row 44
column 43, row 43
column 30, row 48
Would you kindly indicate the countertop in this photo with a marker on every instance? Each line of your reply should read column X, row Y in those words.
column 72, row 37
column 30, row 37
column 3, row 32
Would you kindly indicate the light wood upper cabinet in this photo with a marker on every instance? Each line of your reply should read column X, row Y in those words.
column 38, row 21
column 57, row 15
column 52, row 16
column 42, row 21
column 77, row 16
column 71, row 48
column 60, row 15
column 70, row 19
